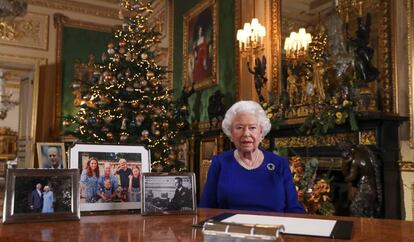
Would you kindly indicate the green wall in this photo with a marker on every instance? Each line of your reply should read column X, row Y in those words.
column 226, row 61
column 77, row 45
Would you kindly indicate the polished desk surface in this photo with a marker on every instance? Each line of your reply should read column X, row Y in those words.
column 134, row 227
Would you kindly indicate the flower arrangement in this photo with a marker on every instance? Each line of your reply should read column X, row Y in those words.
column 313, row 193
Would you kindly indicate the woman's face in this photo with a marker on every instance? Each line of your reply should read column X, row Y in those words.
column 94, row 164
column 135, row 172
column 246, row 132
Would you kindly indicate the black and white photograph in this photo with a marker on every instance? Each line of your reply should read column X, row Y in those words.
column 110, row 175
column 34, row 194
column 51, row 155
column 168, row 193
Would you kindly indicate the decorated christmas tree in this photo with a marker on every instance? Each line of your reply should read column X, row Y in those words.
column 125, row 100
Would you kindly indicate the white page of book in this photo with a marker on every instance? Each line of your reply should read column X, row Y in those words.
column 299, row 226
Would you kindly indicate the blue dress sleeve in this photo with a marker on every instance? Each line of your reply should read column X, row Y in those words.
column 209, row 196
column 292, row 203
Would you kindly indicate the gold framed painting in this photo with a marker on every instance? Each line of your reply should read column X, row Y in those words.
column 200, row 45
column 51, row 155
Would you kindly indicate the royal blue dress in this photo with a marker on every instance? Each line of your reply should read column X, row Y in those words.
column 267, row 188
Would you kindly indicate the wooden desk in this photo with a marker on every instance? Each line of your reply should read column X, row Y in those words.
column 134, row 227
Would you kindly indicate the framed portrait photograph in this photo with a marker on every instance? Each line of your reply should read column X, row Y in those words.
column 110, row 175
column 51, row 155
column 41, row 195
column 200, row 45
column 168, row 193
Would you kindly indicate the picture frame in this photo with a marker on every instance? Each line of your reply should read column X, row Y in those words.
column 160, row 194
column 51, row 155
column 200, row 45
column 22, row 203
column 110, row 188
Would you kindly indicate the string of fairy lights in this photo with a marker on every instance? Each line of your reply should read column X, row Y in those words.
column 125, row 100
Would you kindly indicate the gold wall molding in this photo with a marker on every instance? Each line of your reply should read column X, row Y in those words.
column 410, row 39
column 363, row 137
column 385, row 43
column 406, row 166
column 412, row 201
column 276, row 44
column 30, row 31
column 84, row 8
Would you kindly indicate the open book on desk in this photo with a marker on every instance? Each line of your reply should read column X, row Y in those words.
column 327, row 228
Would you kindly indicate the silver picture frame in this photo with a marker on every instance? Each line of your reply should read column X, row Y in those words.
column 62, row 194
column 168, row 193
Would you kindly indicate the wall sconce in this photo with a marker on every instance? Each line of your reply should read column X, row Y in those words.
column 296, row 45
column 5, row 99
column 251, row 38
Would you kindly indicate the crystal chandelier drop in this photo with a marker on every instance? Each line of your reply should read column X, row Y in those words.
column 5, row 99
column 10, row 9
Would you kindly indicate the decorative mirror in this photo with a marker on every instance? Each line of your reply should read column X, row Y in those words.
column 371, row 19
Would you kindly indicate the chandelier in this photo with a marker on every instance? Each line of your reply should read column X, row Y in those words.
column 10, row 9
column 348, row 8
column 5, row 99
column 251, row 38
column 296, row 45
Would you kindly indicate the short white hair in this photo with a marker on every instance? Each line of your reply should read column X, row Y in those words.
column 250, row 107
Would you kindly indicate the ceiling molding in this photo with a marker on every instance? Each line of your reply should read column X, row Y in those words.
column 73, row 6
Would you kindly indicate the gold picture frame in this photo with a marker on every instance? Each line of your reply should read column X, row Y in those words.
column 200, row 45
column 54, row 151
column 21, row 204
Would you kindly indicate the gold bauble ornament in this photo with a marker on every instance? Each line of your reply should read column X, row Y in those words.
column 66, row 123
column 150, row 74
column 109, row 136
column 134, row 105
column 144, row 56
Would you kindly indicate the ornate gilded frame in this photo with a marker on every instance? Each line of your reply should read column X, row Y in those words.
column 61, row 21
column 410, row 38
column 189, row 18
column 384, row 47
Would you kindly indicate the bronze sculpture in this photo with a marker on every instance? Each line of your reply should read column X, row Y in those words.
column 361, row 172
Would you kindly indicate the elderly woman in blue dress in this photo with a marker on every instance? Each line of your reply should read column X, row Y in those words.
column 48, row 200
column 89, row 179
column 248, row 178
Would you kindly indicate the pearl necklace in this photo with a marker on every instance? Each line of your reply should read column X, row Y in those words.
column 257, row 161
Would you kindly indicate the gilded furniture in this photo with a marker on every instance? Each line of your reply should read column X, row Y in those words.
column 135, row 227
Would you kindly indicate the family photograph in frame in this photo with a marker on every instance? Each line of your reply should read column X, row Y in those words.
column 168, row 193
column 51, row 155
column 200, row 45
column 110, row 175
column 41, row 195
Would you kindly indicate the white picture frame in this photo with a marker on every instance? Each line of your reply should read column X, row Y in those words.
column 108, row 155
